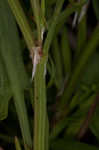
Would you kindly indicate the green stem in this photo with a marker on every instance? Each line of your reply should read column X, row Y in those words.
column 58, row 62
column 22, row 22
column 82, row 36
column 47, row 134
column 40, row 106
column 43, row 7
column 51, row 31
column 36, row 10
column 51, row 71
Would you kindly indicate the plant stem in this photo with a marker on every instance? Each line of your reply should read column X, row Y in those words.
column 40, row 111
column 47, row 134
column 36, row 11
column 22, row 22
column 58, row 63
column 43, row 7
column 82, row 36
column 40, row 90
column 51, row 31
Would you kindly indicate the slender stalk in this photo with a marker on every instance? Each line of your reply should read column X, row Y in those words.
column 51, row 70
column 40, row 106
column 36, row 11
column 22, row 22
column 40, row 91
column 47, row 134
column 82, row 36
column 51, row 31
column 58, row 62
column 43, row 7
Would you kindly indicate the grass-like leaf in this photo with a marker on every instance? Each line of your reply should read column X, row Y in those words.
column 10, row 51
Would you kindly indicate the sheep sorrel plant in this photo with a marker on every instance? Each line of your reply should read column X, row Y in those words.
column 49, row 74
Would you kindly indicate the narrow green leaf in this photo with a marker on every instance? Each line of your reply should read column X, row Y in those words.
column 47, row 134
column 10, row 51
column 5, row 91
column 22, row 22
column 82, row 36
column 56, row 53
column 51, row 70
column 51, row 31
column 36, row 11
column 43, row 6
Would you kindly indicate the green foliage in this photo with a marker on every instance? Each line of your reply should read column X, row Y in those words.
column 66, row 51
column 92, row 70
column 10, row 52
column 69, row 144
column 17, row 144
column 94, row 126
column 65, row 65
column 96, row 8
column 58, row 63
column 5, row 91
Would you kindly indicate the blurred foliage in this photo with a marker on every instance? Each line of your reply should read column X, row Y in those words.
column 73, row 53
